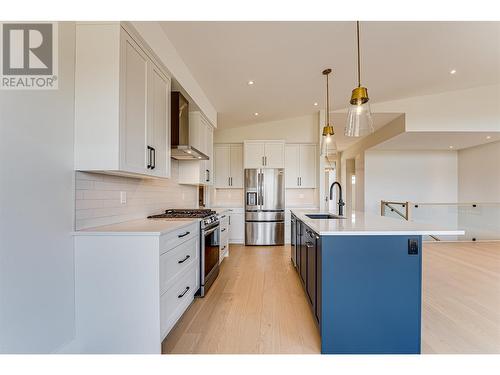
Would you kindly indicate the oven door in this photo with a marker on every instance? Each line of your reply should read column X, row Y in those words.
column 209, row 257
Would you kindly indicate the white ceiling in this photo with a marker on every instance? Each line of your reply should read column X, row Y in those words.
column 285, row 59
column 437, row 140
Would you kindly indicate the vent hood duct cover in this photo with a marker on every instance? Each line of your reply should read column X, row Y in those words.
column 181, row 149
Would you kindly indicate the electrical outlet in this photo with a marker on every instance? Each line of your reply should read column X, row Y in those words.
column 412, row 246
column 123, row 197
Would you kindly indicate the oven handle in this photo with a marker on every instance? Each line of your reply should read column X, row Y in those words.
column 211, row 230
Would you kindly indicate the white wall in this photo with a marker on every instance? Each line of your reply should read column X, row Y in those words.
column 98, row 197
column 37, row 212
column 479, row 173
column 475, row 109
column 415, row 176
column 302, row 129
column 357, row 152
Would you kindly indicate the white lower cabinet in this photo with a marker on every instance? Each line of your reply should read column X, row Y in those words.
column 132, row 287
column 236, row 226
column 177, row 298
column 224, row 236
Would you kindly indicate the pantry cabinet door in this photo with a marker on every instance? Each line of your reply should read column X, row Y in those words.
column 236, row 172
column 307, row 166
column 222, row 159
column 134, row 94
column 292, row 166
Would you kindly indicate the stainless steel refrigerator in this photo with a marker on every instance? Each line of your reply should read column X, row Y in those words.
column 264, row 206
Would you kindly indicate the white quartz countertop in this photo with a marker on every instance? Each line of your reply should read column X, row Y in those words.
column 367, row 224
column 152, row 227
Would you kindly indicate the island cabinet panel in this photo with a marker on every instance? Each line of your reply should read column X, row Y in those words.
column 311, row 267
column 319, row 279
column 370, row 294
column 303, row 254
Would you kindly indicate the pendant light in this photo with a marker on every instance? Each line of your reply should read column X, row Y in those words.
column 359, row 117
column 328, row 131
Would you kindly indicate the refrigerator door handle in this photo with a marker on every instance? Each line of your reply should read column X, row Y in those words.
column 261, row 189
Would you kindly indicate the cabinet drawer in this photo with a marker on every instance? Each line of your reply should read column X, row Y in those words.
column 174, row 262
column 173, row 239
column 177, row 298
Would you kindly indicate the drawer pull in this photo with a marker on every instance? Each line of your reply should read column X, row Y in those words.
column 223, row 216
column 185, row 291
column 183, row 235
column 183, row 260
column 223, row 230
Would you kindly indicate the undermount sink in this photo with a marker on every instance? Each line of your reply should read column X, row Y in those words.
column 324, row 216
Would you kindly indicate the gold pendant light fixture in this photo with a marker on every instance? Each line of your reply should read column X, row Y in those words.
column 328, row 131
column 359, row 117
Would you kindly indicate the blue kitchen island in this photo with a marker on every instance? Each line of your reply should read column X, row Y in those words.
column 362, row 275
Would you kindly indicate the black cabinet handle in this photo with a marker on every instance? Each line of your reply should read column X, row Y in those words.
column 223, row 216
column 309, row 244
column 153, row 166
column 149, row 157
column 183, row 260
column 223, row 247
column 182, row 294
column 223, row 230
column 183, row 235
column 208, row 175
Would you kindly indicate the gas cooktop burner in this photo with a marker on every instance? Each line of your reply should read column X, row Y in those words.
column 181, row 213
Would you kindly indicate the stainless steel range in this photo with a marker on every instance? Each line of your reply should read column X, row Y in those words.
column 209, row 242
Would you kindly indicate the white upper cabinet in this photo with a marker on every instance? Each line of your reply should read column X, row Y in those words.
column 201, row 137
column 292, row 174
column 237, row 166
column 222, row 158
column 228, row 165
column 254, row 154
column 300, row 166
column 159, row 115
column 264, row 154
column 122, row 103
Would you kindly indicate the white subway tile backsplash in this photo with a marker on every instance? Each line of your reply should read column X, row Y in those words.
column 97, row 197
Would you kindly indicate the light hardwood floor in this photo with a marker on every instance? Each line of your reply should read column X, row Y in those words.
column 257, row 304
column 461, row 298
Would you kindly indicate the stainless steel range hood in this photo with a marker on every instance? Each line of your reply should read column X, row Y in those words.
column 181, row 148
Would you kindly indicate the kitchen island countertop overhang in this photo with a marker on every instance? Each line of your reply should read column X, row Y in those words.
column 358, row 223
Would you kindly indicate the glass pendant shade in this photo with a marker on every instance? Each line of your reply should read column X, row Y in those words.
column 359, row 116
column 359, row 120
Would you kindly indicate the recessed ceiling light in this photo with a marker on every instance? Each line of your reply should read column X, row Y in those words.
column 450, row 147
column 488, row 137
column 256, row 114
column 315, row 104
column 453, row 71
column 199, row 157
column 188, row 151
column 250, row 83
